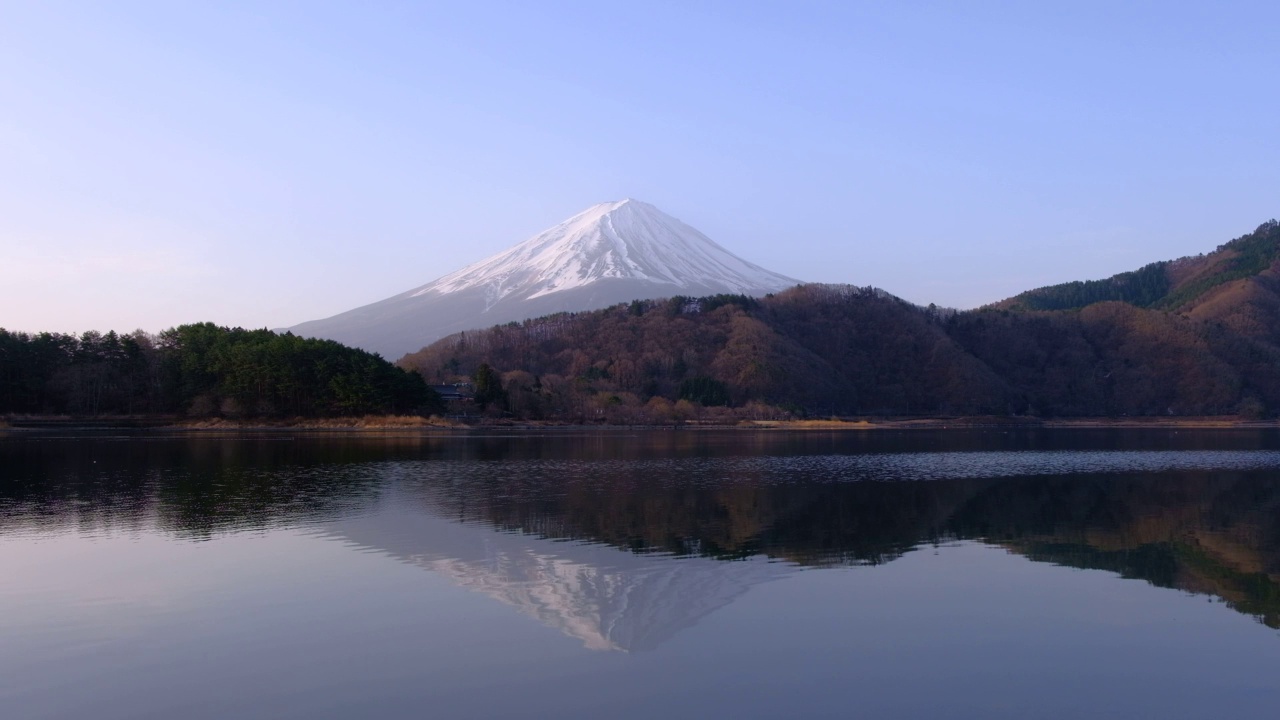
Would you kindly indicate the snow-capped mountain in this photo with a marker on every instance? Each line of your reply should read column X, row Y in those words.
column 619, row 240
column 609, row 253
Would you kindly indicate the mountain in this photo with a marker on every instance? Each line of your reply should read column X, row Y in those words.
column 609, row 253
column 1235, row 288
column 1196, row 336
column 1243, row 271
column 815, row 348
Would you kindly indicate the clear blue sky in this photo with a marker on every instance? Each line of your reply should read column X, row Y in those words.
column 261, row 164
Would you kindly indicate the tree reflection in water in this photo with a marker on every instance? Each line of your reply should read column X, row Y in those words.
column 1199, row 512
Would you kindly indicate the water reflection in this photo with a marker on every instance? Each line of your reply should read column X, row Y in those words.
column 622, row 541
column 607, row 598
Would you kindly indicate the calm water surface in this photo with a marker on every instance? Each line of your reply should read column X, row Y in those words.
column 1072, row 574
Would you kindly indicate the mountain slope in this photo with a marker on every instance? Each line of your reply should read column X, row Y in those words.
column 1178, row 285
column 822, row 349
column 610, row 253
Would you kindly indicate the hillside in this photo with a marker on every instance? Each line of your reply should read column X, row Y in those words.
column 820, row 350
column 1235, row 272
column 1196, row 336
column 817, row 348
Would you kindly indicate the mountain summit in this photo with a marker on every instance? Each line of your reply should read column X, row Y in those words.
column 609, row 253
column 624, row 240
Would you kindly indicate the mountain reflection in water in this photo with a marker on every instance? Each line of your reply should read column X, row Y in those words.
column 607, row 598
column 623, row 540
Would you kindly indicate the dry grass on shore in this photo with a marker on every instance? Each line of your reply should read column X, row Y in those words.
column 810, row 424
column 365, row 422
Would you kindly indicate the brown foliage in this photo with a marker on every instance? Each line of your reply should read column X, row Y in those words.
column 823, row 350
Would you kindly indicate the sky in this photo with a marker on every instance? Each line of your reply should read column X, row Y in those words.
column 265, row 163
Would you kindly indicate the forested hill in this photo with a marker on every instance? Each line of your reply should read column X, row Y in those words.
column 1169, row 284
column 814, row 348
column 818, row 350
column 201, row 370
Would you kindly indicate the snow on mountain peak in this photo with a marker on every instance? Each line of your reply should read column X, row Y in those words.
column 609, row 253
column 625, row 240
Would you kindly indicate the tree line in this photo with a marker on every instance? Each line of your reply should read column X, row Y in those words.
column 201, row 370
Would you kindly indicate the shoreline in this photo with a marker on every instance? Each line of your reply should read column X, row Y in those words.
column 999, row 423
column 382, row 423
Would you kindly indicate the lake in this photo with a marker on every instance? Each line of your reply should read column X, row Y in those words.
column 618, row 574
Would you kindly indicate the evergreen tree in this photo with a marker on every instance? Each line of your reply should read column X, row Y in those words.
column 488, row 387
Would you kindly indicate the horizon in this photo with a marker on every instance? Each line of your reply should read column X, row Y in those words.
column 261, row 166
